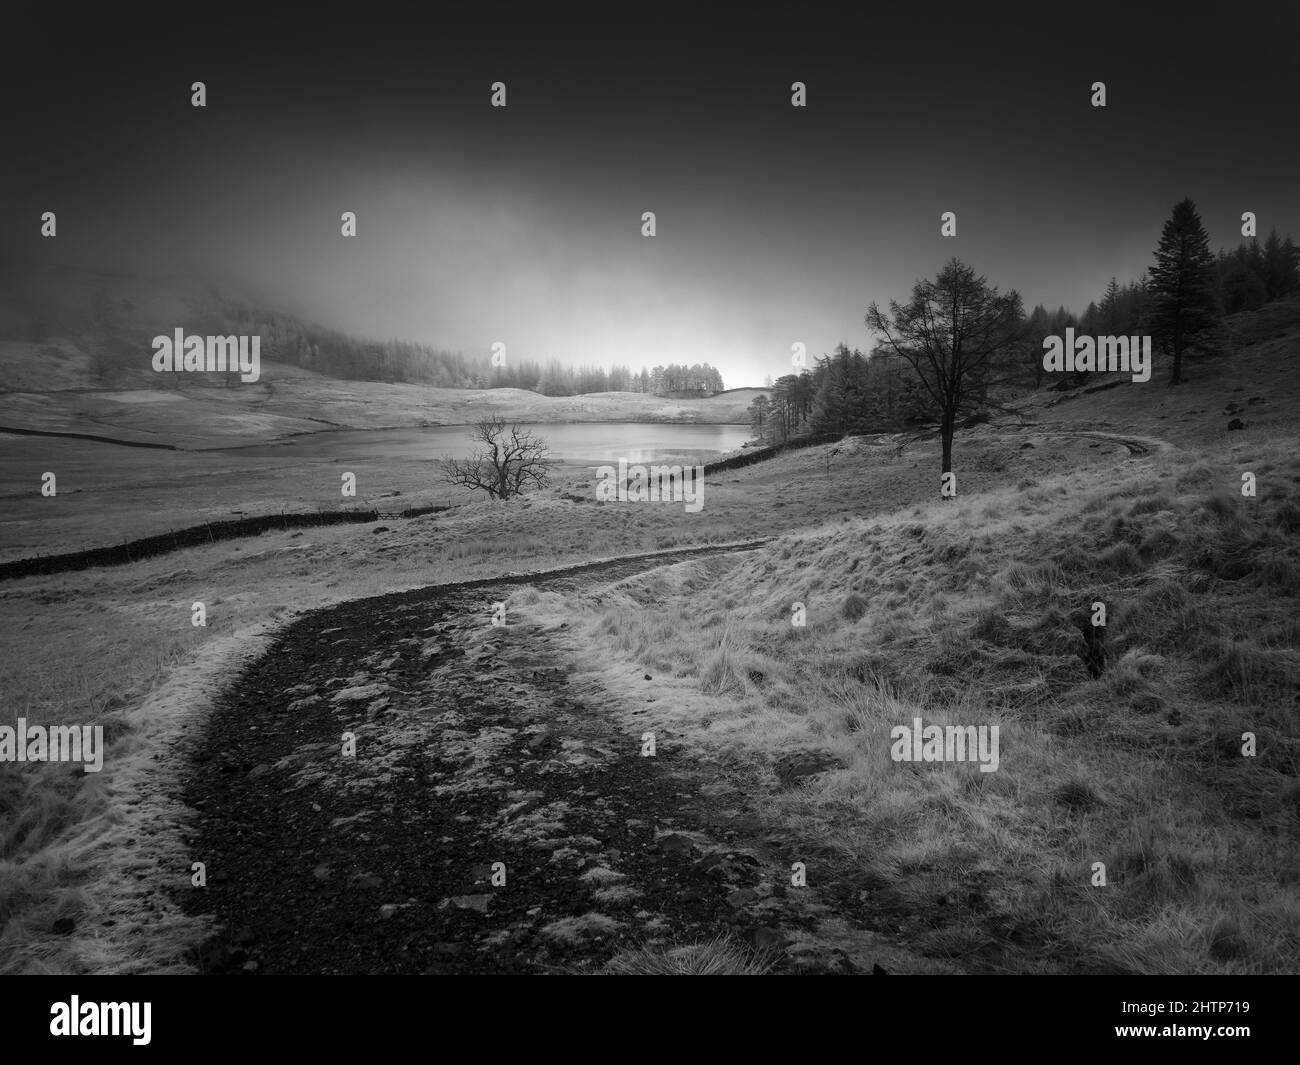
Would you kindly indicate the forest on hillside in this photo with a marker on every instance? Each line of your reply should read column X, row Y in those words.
column 1183, row 301
column 112, row 318
column 337, row 354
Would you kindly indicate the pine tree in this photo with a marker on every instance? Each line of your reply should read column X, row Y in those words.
column 1110, row 309
column 1241, row 289
column 1291, row 268
column 1272, row 264
column 1279, row 267
column 1182, row 305
column 838, row 404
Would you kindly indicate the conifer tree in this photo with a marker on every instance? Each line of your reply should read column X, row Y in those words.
column 1182, row 300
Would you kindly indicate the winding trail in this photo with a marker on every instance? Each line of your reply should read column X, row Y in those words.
column 474, row 746
column 1137, row 445
column 496, row 816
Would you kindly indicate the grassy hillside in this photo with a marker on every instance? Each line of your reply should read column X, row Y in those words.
column 970, row 614
column 966, row 613
column 1121, row 745
column 1256, row 383
column 143, row 672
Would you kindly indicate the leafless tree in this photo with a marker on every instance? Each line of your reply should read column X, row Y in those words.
column 511, row 460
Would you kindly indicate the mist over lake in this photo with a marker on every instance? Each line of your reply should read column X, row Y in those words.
column 579, row 444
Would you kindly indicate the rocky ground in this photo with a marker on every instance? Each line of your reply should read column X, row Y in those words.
column 472, row 748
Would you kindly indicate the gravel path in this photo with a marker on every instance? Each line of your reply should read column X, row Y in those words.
column 471, row 750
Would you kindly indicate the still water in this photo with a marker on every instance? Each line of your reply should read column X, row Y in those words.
column 579, row 443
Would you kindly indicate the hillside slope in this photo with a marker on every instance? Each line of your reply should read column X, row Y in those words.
column 1145, row 812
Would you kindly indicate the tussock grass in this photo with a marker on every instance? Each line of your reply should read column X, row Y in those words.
column 723, row 956
column 976, row 614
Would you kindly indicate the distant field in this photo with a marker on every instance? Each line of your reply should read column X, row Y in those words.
column 109, row 494
column 288, row 401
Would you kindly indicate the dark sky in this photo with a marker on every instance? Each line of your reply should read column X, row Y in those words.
column 775, row 224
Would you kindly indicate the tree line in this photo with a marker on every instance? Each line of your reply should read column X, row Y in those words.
column 337, row 354
column 957, row 350
column 555, row 379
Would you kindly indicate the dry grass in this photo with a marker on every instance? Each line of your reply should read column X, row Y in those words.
column 971, row 615
column 722, row 956
column 959, row 613
column 93, row 648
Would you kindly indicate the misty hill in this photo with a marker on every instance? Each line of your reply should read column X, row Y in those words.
column 75, row 351
column 94, row 329
column 77, row 328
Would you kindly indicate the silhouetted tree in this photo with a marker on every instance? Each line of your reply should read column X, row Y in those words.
column 1240, row 288
column 1109, row 309
column 840, row 404
column 1279, row 267
column 1183, row 304
column 950, row 333
column 512, row 460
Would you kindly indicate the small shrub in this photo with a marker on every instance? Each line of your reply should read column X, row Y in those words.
column 854, row 607
column 1076, row 795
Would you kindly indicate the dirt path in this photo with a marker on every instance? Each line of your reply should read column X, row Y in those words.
column 1137, row 445
column 472, row 748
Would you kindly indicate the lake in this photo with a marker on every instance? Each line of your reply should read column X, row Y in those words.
column 108, row 494
column 576, row 443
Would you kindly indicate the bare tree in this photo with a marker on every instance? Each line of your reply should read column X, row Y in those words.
column 511, row 460
column 950, row 333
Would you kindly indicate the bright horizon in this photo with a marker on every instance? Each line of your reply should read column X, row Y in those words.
column 522, row 224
